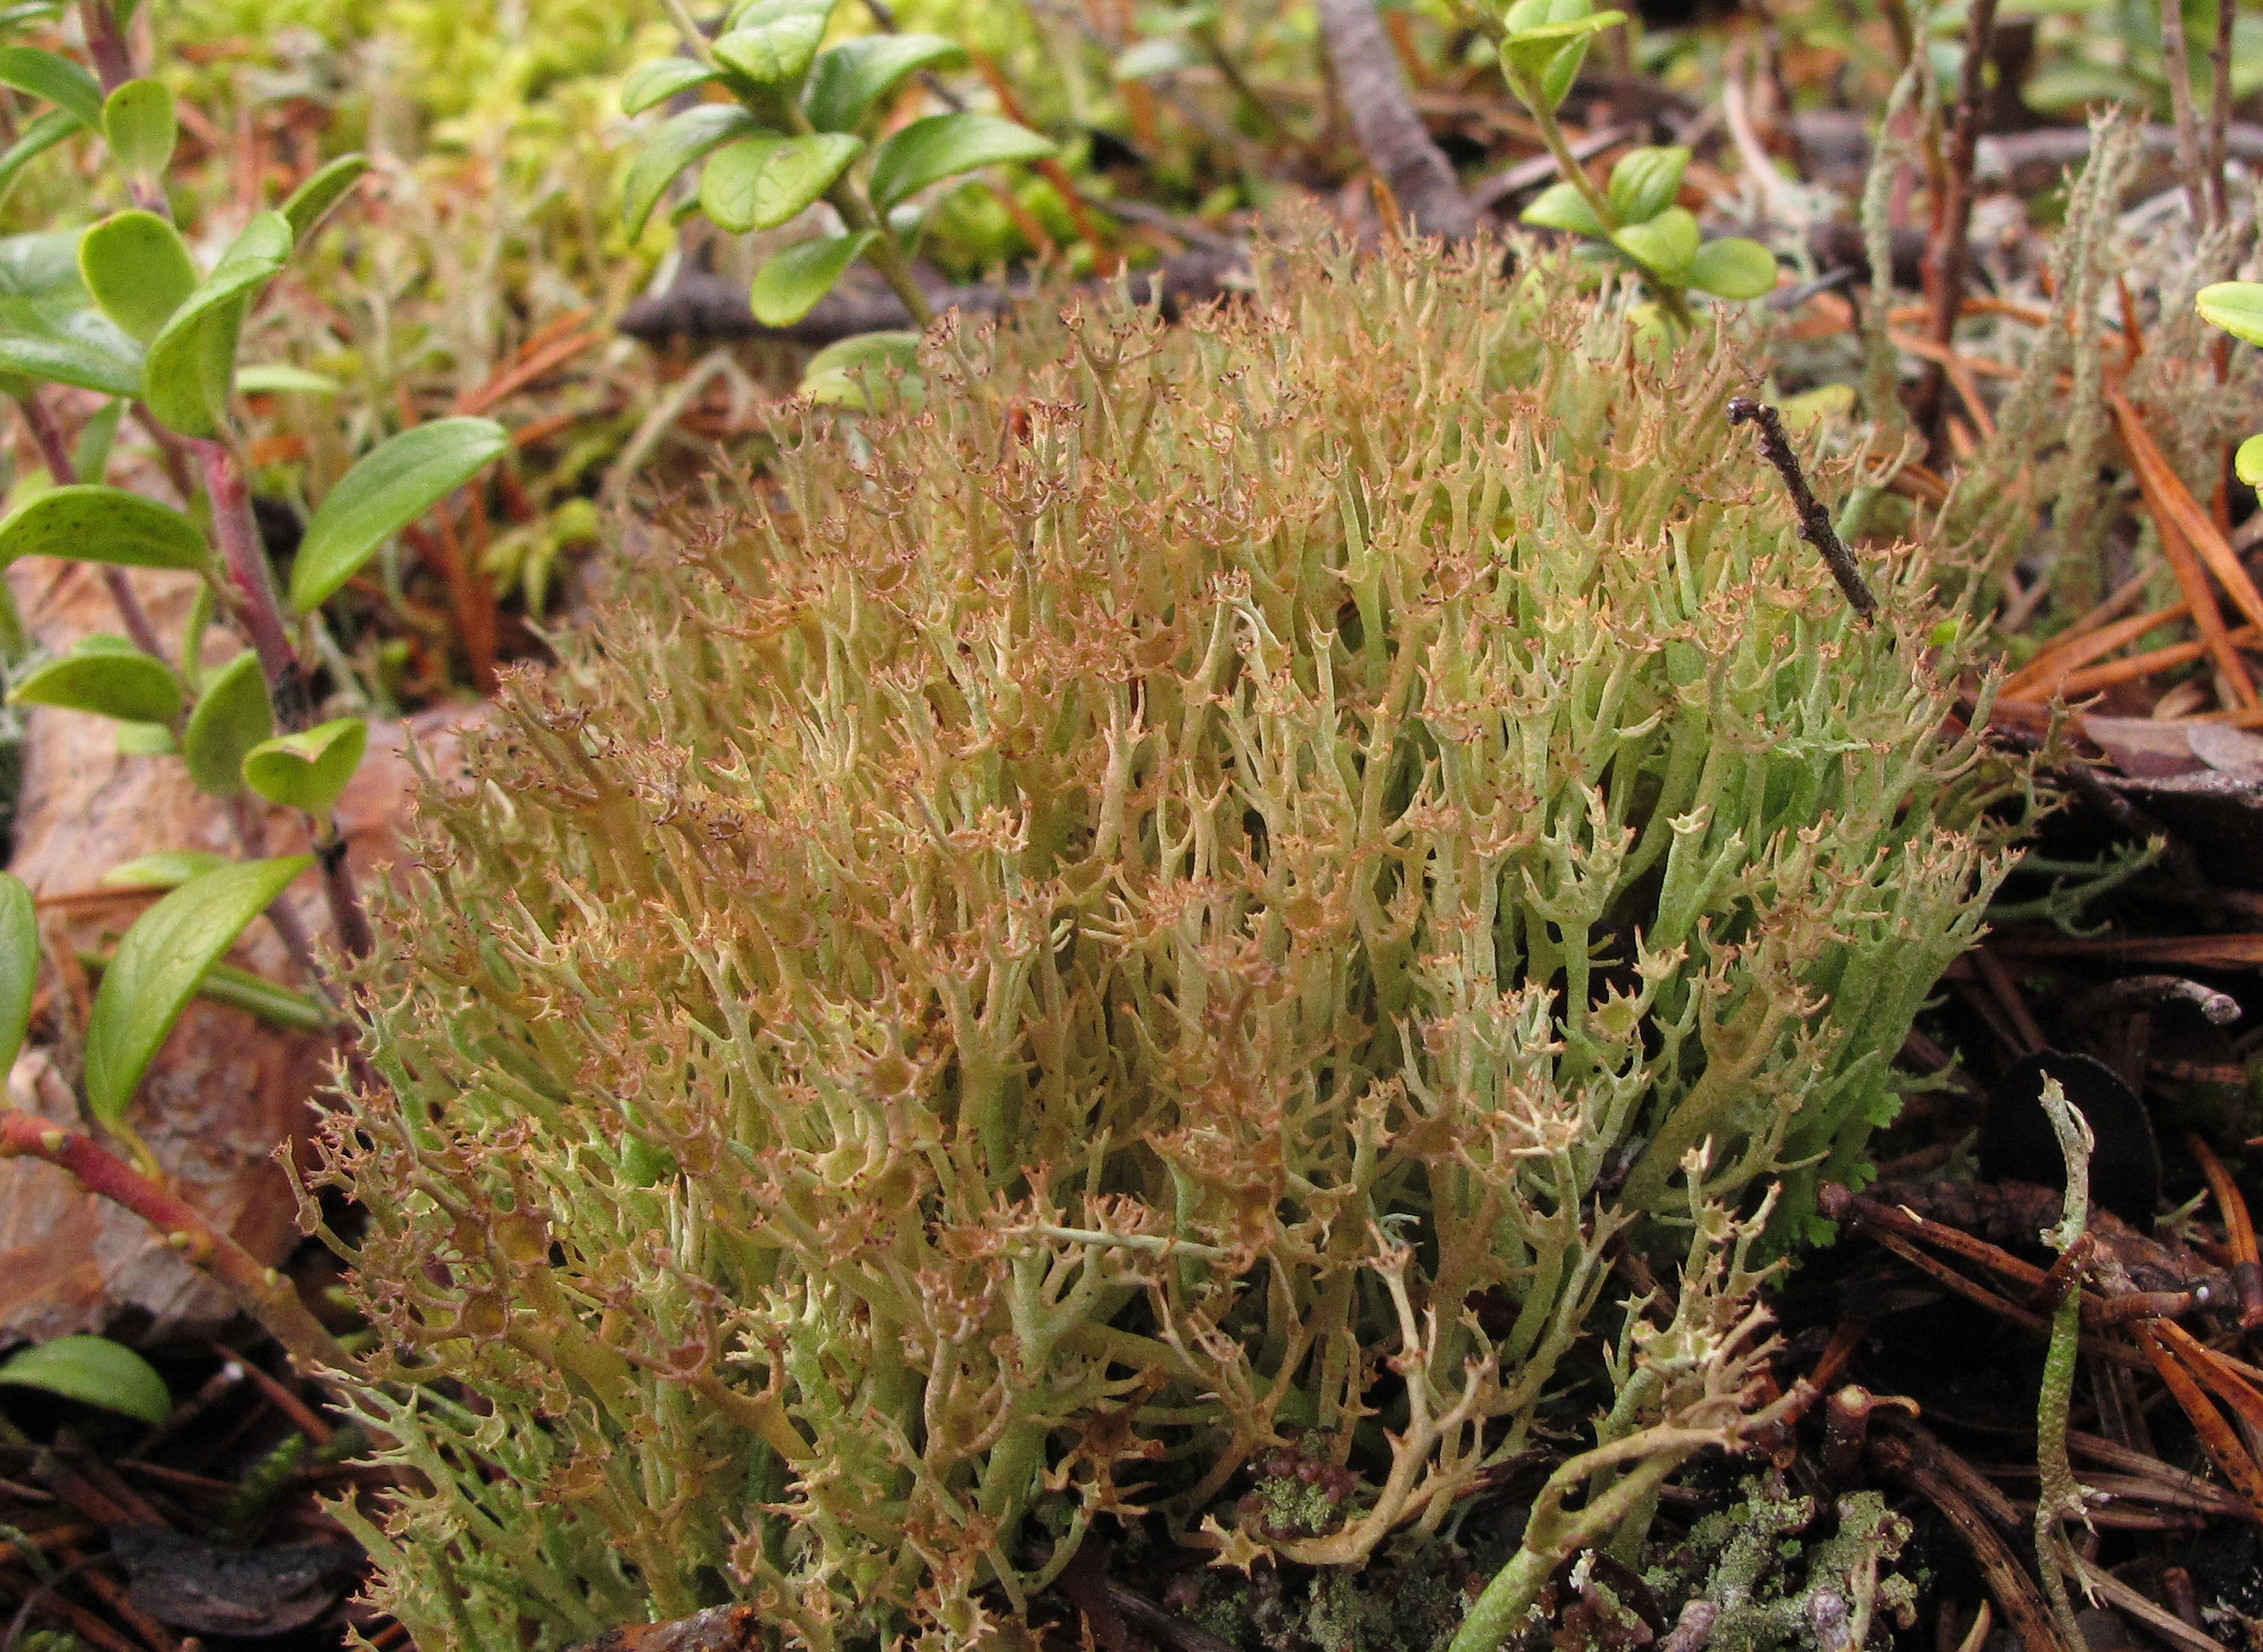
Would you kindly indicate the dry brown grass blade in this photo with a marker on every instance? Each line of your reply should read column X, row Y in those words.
column 2223, row 1446
column 2094, row 678
column 2040, row 678
column 527, row 367
column 2239, row 1229
column 2174, row 501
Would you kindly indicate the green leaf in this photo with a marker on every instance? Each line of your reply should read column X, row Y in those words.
column 280, row 378
column 309, row 769
column 93, row 1370
column 146, row 740
column 137, row 266
column 30, row 11
column 41, row 265
column 391, row 487
column 54, row 339
column 726, row 183
column 2248, row 461
column 232, row 716
column 798, row 172
column 1561, row 205
column 1733, row 268
column 191, row 368
column 2236, row 307
column 788, row 287
column 755, row 13
column 99, row 524
column 139, row 120
column 681, row 139
column 1645, row 182
column 857, row 73
column 39, row 135
column 845, row 374
column 323, row 189
column 774, row 53
column 19, row 966
column 942, row 146
column 1664, row 246
column 654, row 83
column 1166, row 54
column 159, row 965
column 58, row 79
column 168, row 869
column 90, row 453
column 124, row 684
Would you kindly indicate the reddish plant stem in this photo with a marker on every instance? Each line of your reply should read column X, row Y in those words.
column 52, row 448
column 172, row 452
column 265, row 1294
column 2176, row 62
column 349, row 921
column 106, row 45
column 1948, row 251
column 251, row 580
column 251, row 832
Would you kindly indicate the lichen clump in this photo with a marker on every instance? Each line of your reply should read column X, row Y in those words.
column 1178, row 897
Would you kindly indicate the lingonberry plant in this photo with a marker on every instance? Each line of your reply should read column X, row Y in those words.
column 1541, row 45
column 117, row 315
column 1187, row 895
column 795, row 126
column 2237, row 308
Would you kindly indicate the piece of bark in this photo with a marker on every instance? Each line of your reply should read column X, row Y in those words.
column 1383, row 118
column 227, row 1089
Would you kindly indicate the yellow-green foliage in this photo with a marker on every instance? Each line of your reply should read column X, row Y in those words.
column 1093, row 921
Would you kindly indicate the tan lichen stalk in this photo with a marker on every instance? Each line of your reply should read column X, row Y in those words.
column 1092, row 925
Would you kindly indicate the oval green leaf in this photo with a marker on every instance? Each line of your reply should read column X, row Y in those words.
column 653, row 83
column 1166, row 54
column 2248, row 461
column 799, row 172
column 788, row 287
column 159, row 965
column 1733, row 268
column 2236, row 307
column 93, row 1370
column 751, row 14
column 233, row 715
column 146, row 740
column 323, row 188
column 99, row 524
column 942, row 146
column 139, row 120
column 56, row 78
column 55, row 340
column 19, row 966
column 191, row 368
column 726, row 183
column 281, row 377
column 846, row 375
column 1665, row 246
column 127, row 685
column 138, row 268
column 854, row 76
column 391, row 487
column 1561, row 205
column 681, row 139
column 43, row 264
column 1645, row 182
column 40, row 134
column 307, row 770
column 776, row 53
column 168, row 869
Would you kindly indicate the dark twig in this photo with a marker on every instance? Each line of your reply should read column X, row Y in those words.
column 2219, row 112
column 2176, row 62
column 1948, row 251
column 1815, row 521
column 1383, row 118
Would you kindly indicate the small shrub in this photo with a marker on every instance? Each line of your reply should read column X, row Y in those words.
column 1182, row 898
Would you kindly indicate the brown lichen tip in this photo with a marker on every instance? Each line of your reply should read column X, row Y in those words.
column 1815, row 526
